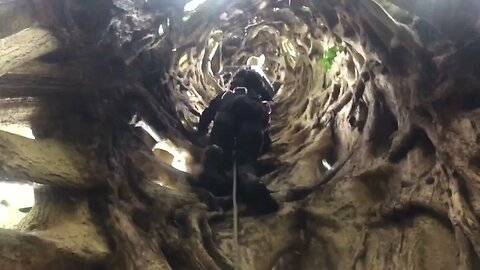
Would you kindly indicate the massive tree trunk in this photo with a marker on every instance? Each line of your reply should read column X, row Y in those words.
column 374, row 163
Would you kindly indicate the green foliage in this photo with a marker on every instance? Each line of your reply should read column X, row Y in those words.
column 328, row 56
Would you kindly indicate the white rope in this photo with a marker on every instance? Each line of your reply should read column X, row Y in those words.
column 236, row 254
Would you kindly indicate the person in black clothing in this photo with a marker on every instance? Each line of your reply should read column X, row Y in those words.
column 258, row 89
column 241, row 118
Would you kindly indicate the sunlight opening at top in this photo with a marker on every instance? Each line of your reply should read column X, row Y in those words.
column 193, row 5
column 256, row 61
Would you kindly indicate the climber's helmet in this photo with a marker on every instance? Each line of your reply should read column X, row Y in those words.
column 249, row 79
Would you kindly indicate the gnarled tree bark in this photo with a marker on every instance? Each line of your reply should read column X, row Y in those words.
column 375, row 127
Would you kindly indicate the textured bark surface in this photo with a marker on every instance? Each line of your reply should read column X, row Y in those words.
column 375, row 155
column 46, row 162
column 25, row 46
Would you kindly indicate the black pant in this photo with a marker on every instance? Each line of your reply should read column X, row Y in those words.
column 222, row 135
column 249, row 139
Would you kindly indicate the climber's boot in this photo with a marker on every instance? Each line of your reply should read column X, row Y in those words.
column 212, row 157
column 255, row 194
column 211, row 176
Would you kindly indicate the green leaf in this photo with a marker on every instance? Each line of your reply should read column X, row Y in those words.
column 325, row 64
column 328, row 55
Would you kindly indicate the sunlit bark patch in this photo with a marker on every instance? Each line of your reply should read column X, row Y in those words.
column 15, row 201
column 18, row 129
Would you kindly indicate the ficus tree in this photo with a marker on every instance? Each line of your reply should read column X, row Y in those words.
column 375, row 162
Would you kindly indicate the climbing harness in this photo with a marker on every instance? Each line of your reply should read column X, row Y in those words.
column 236, row 90
column 226, row 92
column 266, row 107
column 268, row 110
column 236, row 253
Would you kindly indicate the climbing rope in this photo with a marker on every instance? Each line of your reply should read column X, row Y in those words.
column 236, row 254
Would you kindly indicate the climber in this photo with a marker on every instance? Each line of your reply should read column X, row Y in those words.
column 248, row 83
column 242, row 116
column 259, row 89
column 239, row 125
column 250, row 76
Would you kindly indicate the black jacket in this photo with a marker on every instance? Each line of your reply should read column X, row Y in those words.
column 208, row 115
column 229, row 101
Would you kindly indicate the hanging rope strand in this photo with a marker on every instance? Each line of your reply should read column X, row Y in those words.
column 236, row 254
